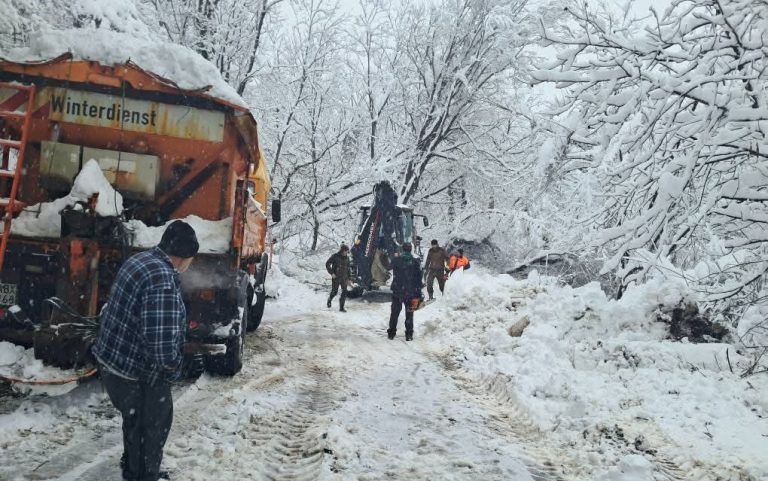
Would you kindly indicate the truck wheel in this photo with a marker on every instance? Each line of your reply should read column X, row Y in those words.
column 232, row 362
column 257, row 310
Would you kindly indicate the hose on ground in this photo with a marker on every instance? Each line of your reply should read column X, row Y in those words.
column 50, row 382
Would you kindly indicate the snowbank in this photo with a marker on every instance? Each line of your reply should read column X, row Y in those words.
column 177, row 63
column 294, row 298
column 599, row 374
column 19, row 363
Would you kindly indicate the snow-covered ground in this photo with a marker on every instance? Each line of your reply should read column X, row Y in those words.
column 598, row 380
column 590, row 391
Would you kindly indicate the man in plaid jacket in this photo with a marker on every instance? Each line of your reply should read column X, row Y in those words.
column 140, row 347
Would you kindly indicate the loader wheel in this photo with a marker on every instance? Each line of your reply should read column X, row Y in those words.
column 355, row 292
column 232, row 362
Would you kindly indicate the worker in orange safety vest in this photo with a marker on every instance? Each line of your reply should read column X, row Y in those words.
column 458, row 261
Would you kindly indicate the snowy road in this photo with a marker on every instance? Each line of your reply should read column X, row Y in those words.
column 323, row 395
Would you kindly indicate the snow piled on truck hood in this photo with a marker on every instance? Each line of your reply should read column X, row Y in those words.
column 188, row 69
column 598, row 377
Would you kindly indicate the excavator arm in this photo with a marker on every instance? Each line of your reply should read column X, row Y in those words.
column 380, row 230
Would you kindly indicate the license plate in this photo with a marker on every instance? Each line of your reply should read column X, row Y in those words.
column 7, row 294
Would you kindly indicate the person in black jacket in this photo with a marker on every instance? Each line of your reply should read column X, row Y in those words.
column 338, row 267
column 406, row 288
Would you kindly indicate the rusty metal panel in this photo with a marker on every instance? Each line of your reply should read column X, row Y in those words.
column 134, row 175
column 116, row 112
column 12, row 100
column 129, row 173
column 59, row 164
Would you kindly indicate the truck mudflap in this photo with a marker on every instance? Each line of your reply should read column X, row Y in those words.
column 63, row 346
column 61, row 340
column 231, row 362
column 216, row 332
column 64, row 340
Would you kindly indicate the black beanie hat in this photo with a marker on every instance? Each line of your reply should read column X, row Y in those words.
column 179, row 240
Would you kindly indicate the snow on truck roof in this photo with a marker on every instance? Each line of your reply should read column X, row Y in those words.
column 186, row 69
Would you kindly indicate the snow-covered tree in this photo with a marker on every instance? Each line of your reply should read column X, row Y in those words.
column 669, row 111
column 229, row 33
column 458, row 59
column 305, row 116
column 21, row 18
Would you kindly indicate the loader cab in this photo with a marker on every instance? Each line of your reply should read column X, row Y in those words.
column 405, row 230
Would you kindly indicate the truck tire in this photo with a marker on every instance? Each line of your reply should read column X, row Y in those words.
column 232, row 362
column 258, row 297
column 257, row 311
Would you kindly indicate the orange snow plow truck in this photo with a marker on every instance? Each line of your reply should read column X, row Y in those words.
column 97, row 159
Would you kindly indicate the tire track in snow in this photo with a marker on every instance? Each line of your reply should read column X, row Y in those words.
column 292, row 439
column 508, row 420
column 268, row 427
column 508, row 417
column 219, row 430
column 72, row 444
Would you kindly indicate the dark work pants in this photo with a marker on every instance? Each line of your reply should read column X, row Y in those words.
column 397, row 306
column 433, row 274
column 147, row 411
column 335, row 284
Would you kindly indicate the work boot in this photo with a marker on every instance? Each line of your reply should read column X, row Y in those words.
column 409, row 336
column 391, row 334
column 165, row 475
column 341, row 309
column 329, row 302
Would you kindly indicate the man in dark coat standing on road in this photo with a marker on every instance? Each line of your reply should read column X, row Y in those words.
column 140, row 347
column 406, row 288
column 437, row 257
column 338, row 267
